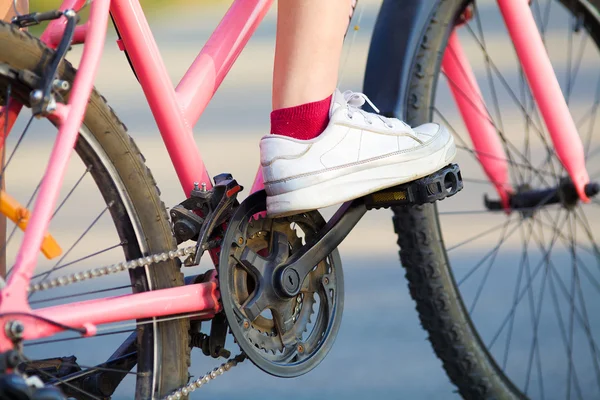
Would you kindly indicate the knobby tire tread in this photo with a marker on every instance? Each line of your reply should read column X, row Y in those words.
column 422, row 253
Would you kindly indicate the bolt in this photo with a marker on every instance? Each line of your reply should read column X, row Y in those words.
column 203, row 187
column 36, row 96
column 240, row 240
column 60, row 85
column 196, row 187
column 14, row 329
column 300, row 348
column 69, row 13
column 246, row 324
column 51, row 107
column 326, row 281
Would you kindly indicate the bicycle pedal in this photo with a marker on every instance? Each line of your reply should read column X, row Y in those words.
column 441, row 184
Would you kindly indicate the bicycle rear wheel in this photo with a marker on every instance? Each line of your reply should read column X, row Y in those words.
column 109, row 210
column 509, row 301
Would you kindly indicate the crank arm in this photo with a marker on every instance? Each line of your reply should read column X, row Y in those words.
column 292, row 273
column 435, row 187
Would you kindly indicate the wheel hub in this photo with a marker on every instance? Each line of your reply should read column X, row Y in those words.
column 528, row 200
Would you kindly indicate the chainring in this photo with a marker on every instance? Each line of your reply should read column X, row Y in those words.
column 285, row 337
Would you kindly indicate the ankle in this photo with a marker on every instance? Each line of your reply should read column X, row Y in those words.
column 303, row 122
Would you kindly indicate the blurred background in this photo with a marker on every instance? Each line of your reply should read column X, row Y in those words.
column 381, row 350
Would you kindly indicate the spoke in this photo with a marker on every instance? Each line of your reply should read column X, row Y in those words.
column 88, row 169
column 492, row 253
column 61, row 382
column 491, row 211
column 567, row 242
column 524, row 258
column 538, row 267
column 561, row 324
column 539, row 19
column 566, row 341
column 43, row 342
column 586, row 115
column 19, row 141
column 481, row 181
column 576, row 278
column 571, row 375
column 569, row 62
column 58, row 267
column 70, row 296
column 586, row 228
column 525, row 111
column 479, row 235
column 535, row 351
column 46, row 275
column 546, row 20
column 534, row 323
column 588, row 139
column 582, row 319
column 593, row 153
column 475, row 153
column 491, row 263
column 536, row 320
column 573, row 78
column 492, row 86
column 87, row 369
column 562, row 236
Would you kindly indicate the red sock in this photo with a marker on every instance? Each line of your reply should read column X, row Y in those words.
column 303, row 122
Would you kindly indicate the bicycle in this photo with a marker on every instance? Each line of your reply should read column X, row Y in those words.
column 297, row 253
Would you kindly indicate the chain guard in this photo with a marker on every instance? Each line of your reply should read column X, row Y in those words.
column 285, row 337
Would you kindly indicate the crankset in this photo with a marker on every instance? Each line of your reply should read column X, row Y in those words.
column 281, row 279
column 283, row 335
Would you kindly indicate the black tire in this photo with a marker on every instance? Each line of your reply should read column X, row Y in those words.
column 107, row 142
column 453, row 335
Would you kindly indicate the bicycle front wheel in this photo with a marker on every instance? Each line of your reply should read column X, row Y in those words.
column 510, row 301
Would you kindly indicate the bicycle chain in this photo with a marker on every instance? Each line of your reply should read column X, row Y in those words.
column 204, row 379
column 136, row 263
column 111, row 269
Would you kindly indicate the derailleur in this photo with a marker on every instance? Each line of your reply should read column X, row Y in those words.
column 201, row 216
column 17, row 386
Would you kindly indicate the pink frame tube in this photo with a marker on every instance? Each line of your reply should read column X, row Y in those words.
column 174, row 113
column 204, row 77
column 468, row 98
column 88, row 314
column 546, row 90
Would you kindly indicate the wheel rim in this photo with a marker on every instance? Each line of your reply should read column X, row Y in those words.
column 529, row 282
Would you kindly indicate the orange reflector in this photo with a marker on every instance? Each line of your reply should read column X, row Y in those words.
column 20, row 216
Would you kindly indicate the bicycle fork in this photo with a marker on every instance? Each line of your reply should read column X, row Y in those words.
column 549, row 99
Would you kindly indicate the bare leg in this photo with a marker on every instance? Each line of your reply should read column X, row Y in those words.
column 310, row 34
column 7, row 11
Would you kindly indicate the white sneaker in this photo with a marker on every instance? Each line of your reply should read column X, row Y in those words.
column 357, row 154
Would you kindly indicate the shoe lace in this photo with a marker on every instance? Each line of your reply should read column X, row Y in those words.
column 356, row 100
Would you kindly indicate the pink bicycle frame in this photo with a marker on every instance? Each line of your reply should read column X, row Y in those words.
column 177, row 110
